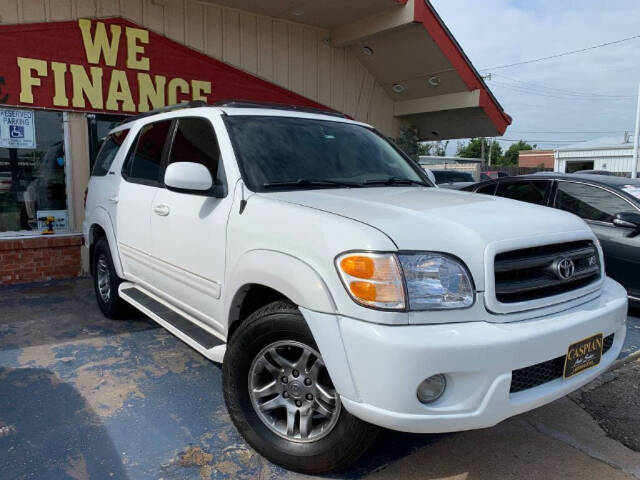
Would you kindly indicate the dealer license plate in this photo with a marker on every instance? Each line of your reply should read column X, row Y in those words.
column 583, row 355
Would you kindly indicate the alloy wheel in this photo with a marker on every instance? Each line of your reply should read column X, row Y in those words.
column 292, row 393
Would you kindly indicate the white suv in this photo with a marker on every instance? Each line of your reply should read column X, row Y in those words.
column 341, row 290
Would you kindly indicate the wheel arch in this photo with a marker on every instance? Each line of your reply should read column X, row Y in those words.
column 263, row 276
column 101, row 226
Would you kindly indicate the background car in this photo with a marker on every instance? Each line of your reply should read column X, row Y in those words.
column 455, row 179
column 609, row 204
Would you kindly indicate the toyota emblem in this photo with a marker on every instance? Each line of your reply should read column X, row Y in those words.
column 565, row 269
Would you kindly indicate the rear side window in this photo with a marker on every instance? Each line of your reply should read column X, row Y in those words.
column 108, row 152
column 534, row 191
column 195, row 141
column 144, row 159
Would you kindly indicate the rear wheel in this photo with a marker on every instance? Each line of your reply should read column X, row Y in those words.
column 281, row 398
column 106, row 281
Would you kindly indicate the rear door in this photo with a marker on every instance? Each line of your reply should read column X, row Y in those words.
column 597, row 206
column 139, row 185
column 104, row 183
column 188, row 231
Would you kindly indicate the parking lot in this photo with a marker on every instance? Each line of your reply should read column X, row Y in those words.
column 86, row 397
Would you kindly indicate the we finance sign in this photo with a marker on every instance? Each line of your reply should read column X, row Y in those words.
column 115, row 66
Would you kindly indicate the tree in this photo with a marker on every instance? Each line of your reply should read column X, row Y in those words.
column 512, row 154
column 437, row 149
column 409, row 142
column 473, row 149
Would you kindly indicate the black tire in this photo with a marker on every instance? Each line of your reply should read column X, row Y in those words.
column 113, row 306
column 345, row 443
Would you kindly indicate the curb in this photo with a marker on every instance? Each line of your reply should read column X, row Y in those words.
column 623, row 361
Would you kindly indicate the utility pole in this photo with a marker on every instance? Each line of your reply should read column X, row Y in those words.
column 482, row 150
column 634, row 165
column 490, row 149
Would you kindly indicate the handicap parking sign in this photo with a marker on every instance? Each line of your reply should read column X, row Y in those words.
column 16, row 131
column 17, row 128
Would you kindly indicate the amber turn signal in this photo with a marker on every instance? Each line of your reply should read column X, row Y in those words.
column 358, row 266
column 364, row 290
column 373, row 279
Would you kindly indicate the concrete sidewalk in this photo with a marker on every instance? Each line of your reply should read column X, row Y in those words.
column 86, row 397
column 557, row 441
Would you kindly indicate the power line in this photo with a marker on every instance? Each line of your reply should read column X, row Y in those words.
column 574, row 131
column 538, row 141
column 544, row 88
column 562, row 96
column 563, row 54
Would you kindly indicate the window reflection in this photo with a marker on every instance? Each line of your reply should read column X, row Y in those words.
column 32, row 180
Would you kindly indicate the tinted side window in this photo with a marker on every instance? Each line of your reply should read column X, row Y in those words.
column 487, row 189
column 195, row 141
column 108, row 152
column 534, row 191
column 143, row 162
column 588, row 202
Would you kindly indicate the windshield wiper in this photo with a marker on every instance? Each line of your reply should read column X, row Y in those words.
column 396, row 181
column 305, row 182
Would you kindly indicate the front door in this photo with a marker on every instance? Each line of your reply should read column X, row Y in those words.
column 140, row 184
column 598, row 205
column 188, row 231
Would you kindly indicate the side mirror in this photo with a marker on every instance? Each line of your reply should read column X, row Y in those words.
column 628, row 220
column 193, row 178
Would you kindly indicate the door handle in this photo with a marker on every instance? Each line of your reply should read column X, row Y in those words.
column 114, row 199
column 162, row 210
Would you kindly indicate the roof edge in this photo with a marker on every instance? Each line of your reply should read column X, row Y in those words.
column 425, row 14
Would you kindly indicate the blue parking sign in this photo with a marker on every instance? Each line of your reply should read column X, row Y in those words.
column 16, row 131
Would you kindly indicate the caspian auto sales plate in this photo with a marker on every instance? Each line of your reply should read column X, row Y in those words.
column 583, row 355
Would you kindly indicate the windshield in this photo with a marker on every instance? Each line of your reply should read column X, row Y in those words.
column 301, row 153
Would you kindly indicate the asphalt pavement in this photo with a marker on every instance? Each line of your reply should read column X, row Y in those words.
column 86, row 397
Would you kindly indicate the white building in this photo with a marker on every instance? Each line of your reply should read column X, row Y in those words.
column 613, row 154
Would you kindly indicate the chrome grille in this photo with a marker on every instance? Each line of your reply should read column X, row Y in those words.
column 537, row 272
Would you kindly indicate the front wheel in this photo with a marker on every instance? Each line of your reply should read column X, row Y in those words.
column 281, row 398
column 106, row 282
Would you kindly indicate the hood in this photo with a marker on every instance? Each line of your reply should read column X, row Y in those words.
column 459, row 223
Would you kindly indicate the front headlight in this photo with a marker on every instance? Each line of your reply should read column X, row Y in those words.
column 432, row 281
column 436, row 281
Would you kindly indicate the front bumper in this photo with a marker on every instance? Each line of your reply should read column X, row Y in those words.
column 377, row 368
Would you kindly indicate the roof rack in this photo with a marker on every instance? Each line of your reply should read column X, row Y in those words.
column 169, row 108
column 276, row 106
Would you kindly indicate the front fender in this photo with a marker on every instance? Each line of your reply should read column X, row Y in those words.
column 99, row 216
column 285, row 273
column 299, row 282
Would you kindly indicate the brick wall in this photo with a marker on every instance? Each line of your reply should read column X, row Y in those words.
column 535, row 158
column 38, row 259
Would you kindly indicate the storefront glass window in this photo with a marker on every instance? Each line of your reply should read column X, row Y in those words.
column 32, row 171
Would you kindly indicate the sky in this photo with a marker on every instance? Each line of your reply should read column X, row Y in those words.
column 592, row 93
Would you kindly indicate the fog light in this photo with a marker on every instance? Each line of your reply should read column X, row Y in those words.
column 432, row 388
